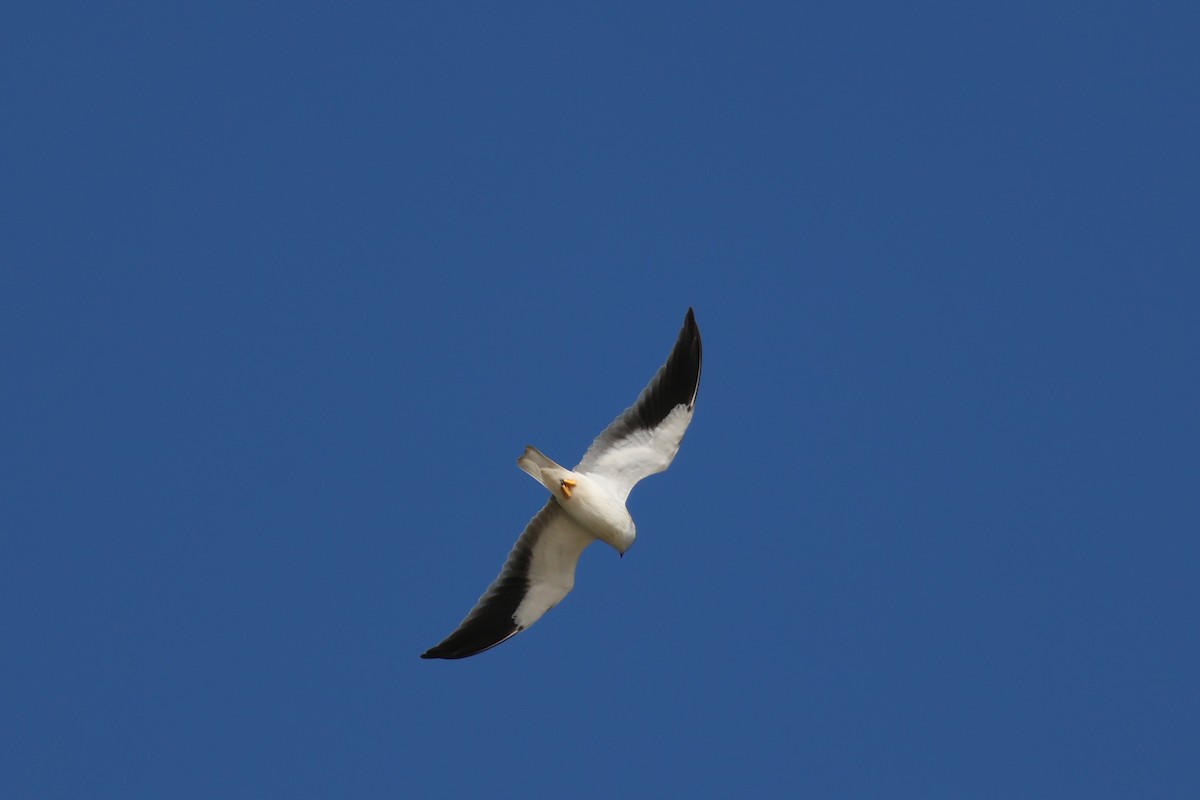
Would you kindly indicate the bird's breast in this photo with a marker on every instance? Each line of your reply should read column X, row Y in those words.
column 598, row 511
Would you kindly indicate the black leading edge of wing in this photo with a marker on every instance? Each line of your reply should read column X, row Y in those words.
column 491, row 620
column 675, row 383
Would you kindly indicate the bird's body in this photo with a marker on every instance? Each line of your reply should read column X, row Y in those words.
column 587, row 504
column 590, row 500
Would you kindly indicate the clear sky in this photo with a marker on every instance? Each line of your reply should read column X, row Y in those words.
column 287, row 288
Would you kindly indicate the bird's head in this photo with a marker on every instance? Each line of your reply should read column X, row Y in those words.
column 625, row 541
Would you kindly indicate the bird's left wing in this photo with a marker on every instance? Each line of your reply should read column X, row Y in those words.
column 645, row 438
column 539, row 572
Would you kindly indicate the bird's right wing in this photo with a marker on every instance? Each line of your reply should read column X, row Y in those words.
column 539, row 572
column 645, row 438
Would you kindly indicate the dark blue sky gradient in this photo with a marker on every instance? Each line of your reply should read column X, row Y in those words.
column 287, row 287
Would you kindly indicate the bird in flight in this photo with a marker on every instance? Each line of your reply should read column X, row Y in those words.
column 586, row 504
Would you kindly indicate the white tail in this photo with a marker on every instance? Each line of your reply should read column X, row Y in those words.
column 537, row 464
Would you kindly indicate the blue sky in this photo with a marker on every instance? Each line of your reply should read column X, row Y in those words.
column 288, row 287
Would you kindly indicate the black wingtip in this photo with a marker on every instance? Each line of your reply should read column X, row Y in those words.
column 675, row 384
column 689, row 329
column 449, row 653
column 691, row 334
column 453, row 649
column 688, row 354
